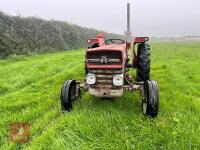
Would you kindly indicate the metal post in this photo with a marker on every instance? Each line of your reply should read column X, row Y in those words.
column 128, row 17
column 128, row 32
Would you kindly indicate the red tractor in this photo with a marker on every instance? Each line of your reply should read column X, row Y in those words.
column 107, row 64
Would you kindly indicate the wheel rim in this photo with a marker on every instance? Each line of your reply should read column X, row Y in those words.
column 68, row 94
column 73, row 93
column 144, row 107
column 144, row 102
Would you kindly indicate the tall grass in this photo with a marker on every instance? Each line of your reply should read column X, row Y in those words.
column 30, row 89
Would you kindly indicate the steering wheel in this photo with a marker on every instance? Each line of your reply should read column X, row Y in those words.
column 114, row 41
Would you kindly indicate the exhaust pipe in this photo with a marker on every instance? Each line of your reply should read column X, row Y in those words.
column 128, row 17
column 128, row 31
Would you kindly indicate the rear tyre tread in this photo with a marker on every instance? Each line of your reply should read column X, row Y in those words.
column 143, row 67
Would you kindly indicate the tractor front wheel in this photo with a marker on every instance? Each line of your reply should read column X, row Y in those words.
column 151, row 102
column 68, row 94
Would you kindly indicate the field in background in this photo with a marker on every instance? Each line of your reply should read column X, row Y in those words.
column 30, row 90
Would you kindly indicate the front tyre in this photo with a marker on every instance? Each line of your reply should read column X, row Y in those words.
column 68, row 95
column 151, row 102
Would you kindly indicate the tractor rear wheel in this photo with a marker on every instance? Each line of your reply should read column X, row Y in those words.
column 143, row 67
column 151, row 102
column 68, row 95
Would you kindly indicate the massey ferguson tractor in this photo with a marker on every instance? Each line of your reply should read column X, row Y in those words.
column 107, row 67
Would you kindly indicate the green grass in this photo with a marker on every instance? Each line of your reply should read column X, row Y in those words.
column 30, row 90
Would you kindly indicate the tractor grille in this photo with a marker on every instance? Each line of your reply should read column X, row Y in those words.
column 104, row 57
column 104, row 79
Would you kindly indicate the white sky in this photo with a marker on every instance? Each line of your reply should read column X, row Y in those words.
column 149, row 17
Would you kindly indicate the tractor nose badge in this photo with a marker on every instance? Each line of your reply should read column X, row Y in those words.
column 104, row 60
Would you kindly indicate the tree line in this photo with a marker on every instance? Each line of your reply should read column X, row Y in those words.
column 25, row 35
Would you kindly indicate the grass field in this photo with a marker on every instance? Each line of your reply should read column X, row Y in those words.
column 30, row 90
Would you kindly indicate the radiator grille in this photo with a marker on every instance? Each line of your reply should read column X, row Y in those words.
column 104, row 78
column 104, row 57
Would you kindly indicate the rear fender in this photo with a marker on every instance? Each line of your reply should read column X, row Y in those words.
column 140, row 40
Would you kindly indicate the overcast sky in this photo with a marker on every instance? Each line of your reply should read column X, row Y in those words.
column 148, row 17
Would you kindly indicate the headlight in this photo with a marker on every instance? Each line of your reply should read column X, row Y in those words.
column 90, row 78
column 118, row 80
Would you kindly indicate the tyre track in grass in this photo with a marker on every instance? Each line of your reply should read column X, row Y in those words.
column 31, row 80
column 40, row 125
column 73, row 132
column 74, row 117
column 108, row 124
column 23, row 90
column 39, row 100
column 35, row 112
column 52, row 132
column 37, row 126
column 17, row 75
column 35, row 115
column 21, row 105
column 24, row 115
